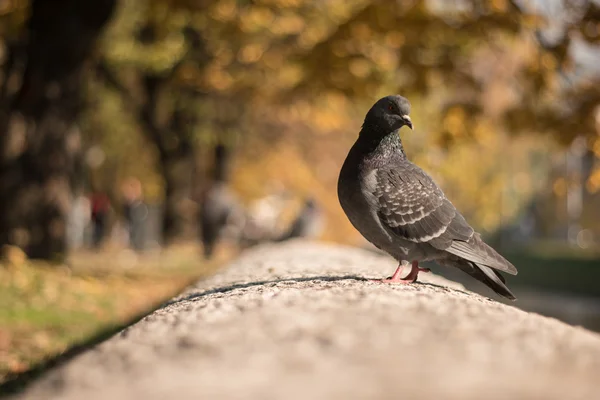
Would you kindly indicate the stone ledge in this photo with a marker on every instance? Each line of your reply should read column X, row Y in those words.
column 300, row 321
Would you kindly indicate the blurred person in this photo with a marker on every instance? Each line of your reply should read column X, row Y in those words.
column 263, row 217
column 135, row 212
column 77, row 221
column 220, row 211
column 308, row 223
column 100, row 206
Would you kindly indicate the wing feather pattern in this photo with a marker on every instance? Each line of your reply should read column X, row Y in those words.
column 414, row 208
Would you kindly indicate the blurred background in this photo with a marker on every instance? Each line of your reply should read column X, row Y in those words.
column 144, row 142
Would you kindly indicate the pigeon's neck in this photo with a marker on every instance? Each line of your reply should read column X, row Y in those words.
column 373, row 140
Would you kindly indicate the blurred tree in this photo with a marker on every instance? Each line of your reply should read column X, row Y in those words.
column 144, row 53
column 39, row 104
column 511, row 62
column 239, row 70
column 277, row 76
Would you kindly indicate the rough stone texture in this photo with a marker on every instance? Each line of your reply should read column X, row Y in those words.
column 299, row 321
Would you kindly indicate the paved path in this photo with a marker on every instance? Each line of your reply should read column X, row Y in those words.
column 299, row 321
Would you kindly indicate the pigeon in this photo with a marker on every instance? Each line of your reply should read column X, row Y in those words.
column 398, row 207
column 308, row 223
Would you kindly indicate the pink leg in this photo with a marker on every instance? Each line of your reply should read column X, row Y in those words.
column 410, row 278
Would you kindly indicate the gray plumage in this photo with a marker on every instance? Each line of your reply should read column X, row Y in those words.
column 396, row 206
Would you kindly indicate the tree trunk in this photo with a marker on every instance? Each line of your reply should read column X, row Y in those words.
column 176, row 155
column 178, row 212
column 178, row 164
column 40, row 144
column 36, row 186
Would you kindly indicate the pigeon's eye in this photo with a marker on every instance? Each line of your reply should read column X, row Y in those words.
column 391, row 107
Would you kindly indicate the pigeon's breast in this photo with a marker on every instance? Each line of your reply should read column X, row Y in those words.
column 351, row 193
column 360, row 205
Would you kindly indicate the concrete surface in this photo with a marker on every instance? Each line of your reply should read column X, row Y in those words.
column 299, row 321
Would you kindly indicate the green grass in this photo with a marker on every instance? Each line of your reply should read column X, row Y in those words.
column 45, row 310
column 562, row 273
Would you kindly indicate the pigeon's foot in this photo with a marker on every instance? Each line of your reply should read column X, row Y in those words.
column 411, row 277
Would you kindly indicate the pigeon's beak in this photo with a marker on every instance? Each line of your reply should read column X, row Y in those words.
column 407, row 121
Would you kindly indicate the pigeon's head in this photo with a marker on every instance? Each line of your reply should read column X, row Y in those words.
column 389, row 114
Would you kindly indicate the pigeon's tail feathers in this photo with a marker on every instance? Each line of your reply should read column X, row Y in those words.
column 496, row 282
column 477, row 251
column 488, row 276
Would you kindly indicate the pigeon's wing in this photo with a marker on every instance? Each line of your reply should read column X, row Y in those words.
column 414, row 208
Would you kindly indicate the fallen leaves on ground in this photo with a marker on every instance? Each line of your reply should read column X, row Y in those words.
column 45, row 309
